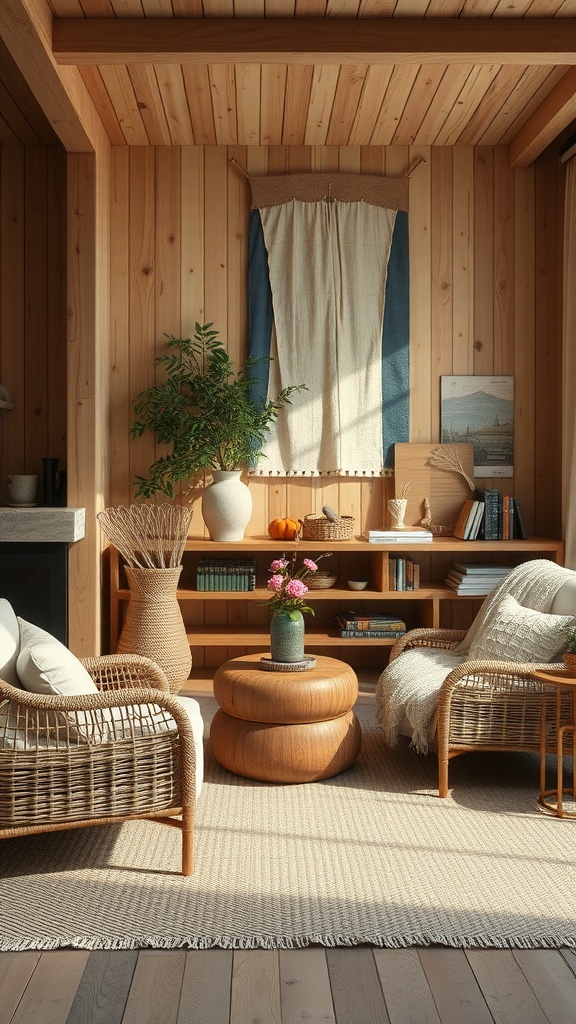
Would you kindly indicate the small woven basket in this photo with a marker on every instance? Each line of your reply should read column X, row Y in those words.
column 319, row 527
column 320, row 581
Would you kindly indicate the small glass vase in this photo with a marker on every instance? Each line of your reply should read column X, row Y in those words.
column 287, row 637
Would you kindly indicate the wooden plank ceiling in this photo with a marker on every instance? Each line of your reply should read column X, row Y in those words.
column 324, row 72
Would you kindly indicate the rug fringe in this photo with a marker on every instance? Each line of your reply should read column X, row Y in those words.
column 203, row 942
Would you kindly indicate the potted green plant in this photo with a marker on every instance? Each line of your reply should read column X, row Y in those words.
column 205, row 412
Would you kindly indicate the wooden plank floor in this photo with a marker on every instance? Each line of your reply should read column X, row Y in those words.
column 359, row 985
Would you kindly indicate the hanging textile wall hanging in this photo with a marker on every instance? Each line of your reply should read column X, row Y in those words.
column 328, row 301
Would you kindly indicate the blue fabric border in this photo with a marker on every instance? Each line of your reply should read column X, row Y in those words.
column 260, row 310
column 396, row 343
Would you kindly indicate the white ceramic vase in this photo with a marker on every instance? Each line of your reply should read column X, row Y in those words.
column 226, row 506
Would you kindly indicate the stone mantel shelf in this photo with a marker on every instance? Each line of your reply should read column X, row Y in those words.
column 42, row 525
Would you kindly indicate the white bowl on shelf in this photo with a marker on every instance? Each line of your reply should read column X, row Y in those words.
column 357, row 584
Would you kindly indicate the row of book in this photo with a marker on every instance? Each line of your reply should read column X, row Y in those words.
column 474, row 579
column 503, row 516
column 372, row 625
column 403, row 573
column 226, row 574
column 495, row 516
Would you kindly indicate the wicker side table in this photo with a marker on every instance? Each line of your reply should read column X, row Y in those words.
column 285, row 726
column 552, row 799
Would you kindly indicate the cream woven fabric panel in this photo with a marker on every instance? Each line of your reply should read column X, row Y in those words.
column 328, row 264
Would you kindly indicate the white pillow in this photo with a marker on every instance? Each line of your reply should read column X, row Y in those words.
column 9, row 642
column 519, row 634
column 46, row 666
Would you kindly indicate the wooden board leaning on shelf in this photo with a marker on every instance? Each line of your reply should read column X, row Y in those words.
column 445, row 490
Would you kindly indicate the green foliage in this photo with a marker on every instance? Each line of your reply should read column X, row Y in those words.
column 569, row 633
column 203, row 411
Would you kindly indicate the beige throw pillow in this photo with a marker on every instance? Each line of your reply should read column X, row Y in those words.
column 46, row 666
column 519, row 634
column 9, row 643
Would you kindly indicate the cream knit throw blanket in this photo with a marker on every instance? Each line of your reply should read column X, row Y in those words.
column 410, row 685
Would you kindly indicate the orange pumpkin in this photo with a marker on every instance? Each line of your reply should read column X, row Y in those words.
column 283, row 529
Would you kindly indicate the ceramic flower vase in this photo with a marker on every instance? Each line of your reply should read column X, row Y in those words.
column 226, row 506
column 287, row 637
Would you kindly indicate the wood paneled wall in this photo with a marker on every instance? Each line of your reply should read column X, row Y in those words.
column 486, row 273
column 485, row 255
column 32, row 306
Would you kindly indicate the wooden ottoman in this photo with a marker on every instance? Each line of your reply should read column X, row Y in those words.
column 285, row 726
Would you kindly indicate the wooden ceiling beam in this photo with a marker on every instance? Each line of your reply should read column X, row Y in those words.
column 553, row 115
column 314, row 40
column 26, row 30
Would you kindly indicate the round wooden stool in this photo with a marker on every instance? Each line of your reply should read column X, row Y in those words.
column 285, row 726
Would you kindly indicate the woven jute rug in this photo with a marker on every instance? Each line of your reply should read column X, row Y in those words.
column 371, row 856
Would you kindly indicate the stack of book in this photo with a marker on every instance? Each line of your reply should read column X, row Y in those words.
column 370, row 625
column 403, row 573
column 469, row 522
column 411, row 535
column 226, row 574
column 475, row 580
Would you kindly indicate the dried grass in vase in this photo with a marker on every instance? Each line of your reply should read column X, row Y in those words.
column 148, row 536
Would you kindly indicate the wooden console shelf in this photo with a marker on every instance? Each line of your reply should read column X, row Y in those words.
column 221, row 624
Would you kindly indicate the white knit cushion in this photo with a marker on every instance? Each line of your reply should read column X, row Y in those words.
column 519, row 634
column 46, row 666
column 9, row 642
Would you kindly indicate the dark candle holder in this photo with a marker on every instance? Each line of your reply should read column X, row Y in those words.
column 52, row 483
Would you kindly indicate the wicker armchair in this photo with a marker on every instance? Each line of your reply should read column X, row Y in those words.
column 486, row 705
column 125, row 752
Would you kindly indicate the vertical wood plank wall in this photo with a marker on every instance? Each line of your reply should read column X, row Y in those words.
column 485, row 252
column 485, row 248
column 32, row 307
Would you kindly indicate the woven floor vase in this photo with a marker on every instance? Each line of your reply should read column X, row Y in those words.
column 153, row 626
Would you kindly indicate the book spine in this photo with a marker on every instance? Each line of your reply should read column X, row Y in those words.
column 475, row 521
column 200, row 577
column 491, row 531
column 399, row 567
column 362, row 625
column 520, row 528
column 392, row 573
column 405, row 541
column 416, row 571
column 373, row 634
column 505, row 517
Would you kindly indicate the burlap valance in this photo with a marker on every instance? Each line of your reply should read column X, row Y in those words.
column 278, row 189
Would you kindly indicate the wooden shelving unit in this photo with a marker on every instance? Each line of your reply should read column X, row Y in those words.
column 227, row 620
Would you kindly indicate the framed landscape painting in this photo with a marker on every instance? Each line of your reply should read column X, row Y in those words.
column 480, row 410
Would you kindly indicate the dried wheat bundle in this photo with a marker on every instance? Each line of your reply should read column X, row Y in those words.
column 148, row 536
column 443, row 458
